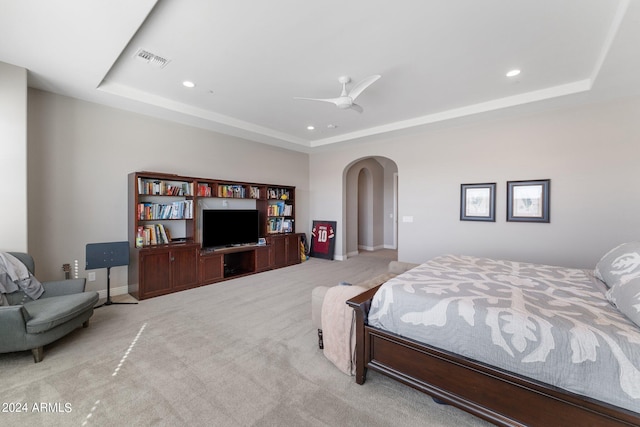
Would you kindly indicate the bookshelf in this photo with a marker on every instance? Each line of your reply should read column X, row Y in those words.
column 167, row 255
column 163, row 210
column 280, row 210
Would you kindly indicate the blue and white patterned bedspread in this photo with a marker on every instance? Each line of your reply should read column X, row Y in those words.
column 551, row 324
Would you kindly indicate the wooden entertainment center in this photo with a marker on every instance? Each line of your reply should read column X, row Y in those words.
column 165, row 232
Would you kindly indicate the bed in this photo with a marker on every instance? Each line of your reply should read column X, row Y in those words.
column 513, row 343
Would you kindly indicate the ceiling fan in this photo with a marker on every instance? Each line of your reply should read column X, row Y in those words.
column 346, row 99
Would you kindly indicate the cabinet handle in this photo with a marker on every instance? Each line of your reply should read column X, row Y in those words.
column 172, row 259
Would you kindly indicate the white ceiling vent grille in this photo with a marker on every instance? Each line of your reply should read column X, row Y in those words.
column 151, row 58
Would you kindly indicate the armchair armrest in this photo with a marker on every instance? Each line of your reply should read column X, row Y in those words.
column 13, row 319
column 63, row 287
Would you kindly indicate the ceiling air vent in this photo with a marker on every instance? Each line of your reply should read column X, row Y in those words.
column 152, row 58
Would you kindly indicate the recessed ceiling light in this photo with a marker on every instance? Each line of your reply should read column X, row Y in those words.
column 332, row 126
column 513, row 73
column 310, row 127
column 188, row 84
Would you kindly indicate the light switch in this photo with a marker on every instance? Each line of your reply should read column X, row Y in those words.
column 407, row 218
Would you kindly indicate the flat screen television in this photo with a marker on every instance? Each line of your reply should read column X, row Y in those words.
column 229, row 227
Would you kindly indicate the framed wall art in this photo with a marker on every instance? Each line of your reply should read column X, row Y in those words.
column 323, row 239
column 528, row 201
column 478, row 202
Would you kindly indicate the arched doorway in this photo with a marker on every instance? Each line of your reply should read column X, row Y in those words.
column 370, row 205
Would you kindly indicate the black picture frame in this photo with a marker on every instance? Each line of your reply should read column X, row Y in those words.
column 528, row 201
column 323, row 239
column 478, row 202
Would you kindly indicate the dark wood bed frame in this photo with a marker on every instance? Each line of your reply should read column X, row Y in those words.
column 495, row 395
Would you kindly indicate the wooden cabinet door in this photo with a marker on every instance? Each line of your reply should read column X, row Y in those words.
column 184, row 267
column 279, row 251
column 211, row 268
column 262, row 259
column 155, row 273
column 293, row 249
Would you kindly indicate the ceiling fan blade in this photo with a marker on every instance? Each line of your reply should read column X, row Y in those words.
column 362, row 85
column 356, row 107
column 331, row 100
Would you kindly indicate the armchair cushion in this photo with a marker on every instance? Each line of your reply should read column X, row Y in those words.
column 62, row 287
column 47, row 313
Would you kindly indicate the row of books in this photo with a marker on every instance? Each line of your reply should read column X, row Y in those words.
column 277, row 193
column 232, row 191
column 280, row 225
column 279, row 209
column 254, row 192
column 182, row 209
column 204, row 190
column 153, row 234
column 164, row 188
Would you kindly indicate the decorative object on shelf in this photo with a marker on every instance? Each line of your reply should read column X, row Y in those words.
column 323, row 239
column 107, row 255
column 478, row 202
column 528, row 201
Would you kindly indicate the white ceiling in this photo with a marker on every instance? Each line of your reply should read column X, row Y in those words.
column 439, row 59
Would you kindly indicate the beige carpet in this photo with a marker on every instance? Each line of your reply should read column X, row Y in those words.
column 238, row 353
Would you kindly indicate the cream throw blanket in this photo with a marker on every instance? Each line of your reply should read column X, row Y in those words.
column 338, row 329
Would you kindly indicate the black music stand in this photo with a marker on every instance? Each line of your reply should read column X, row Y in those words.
column 107, row 255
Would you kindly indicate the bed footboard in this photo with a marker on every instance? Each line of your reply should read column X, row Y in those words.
column 489, row 393
column 361, row 304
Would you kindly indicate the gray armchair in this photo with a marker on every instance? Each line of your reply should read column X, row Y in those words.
column 27, row 324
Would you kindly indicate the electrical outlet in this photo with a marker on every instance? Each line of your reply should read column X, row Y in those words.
column 92, row 276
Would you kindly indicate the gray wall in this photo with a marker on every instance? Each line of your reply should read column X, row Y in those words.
column 591, row 154
column 13, row 158
column 79, row 156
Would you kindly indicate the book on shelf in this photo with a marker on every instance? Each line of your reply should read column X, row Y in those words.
column 287, row 226
column 231, row 191
column 280, row 225
column 279, row 208
column 204, row 190
column 254, row 192
column 275, row 225
column 163, row 188
column 181, row 209
column 154, row 234
column 278, row 193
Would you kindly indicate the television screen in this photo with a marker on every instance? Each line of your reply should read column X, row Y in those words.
column 229, row 227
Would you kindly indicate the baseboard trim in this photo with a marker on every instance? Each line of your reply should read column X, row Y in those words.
column 371, row 248
column 120, row 290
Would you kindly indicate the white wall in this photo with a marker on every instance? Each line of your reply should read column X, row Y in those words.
column 591, row 154
column 79, row 156
column 13, row 158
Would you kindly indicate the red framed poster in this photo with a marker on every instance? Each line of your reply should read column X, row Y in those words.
column 323, row 239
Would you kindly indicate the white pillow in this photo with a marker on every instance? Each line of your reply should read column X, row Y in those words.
column 619, row 265
column 626, row 297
